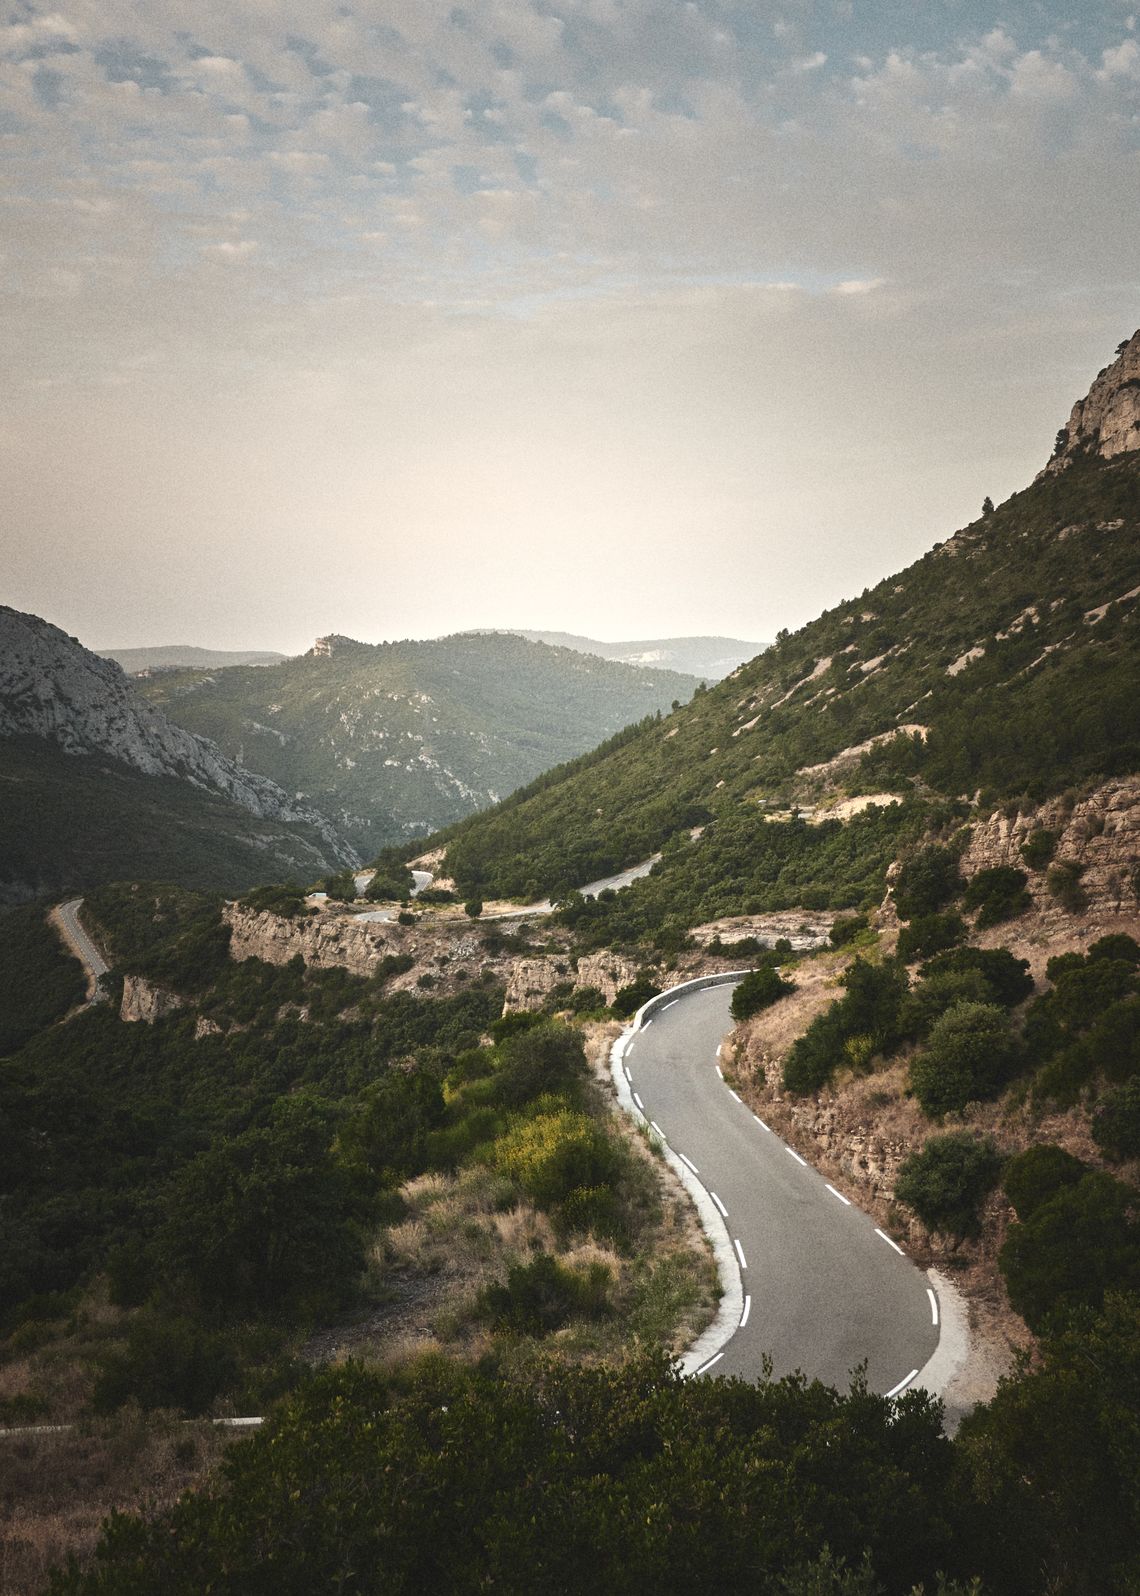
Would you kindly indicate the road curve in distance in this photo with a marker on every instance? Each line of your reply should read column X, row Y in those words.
column 824, row 1288
column 67, row 920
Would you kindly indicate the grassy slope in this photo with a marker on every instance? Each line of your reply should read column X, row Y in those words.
column 1018, row 719
column 395, row 739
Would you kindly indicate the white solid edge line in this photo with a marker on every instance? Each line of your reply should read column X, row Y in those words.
column 889, row 1242
column 639, row 1103
column 760, row 1122
column 739, row 1252
column 690, row 1163
column 933, row 1305
column 846, row 1201
column 726, row 1321
column 796, row 1156
column 747, row 1311
column 715, row 1359
column 657, row 1128
column 720, row 1205
column 902, row 1385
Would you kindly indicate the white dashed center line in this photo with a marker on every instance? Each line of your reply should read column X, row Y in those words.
column 657, row 1128
column 796, row 1156
column 731, row 1093
column 759, row 1122
column 890, row 1243
column 933, row 1305
column 740, row 1253
column 690, row 1163
column 720, row 1072
column 846, row 1201
column 710, row 1363
column 902, row 1385
column 747, row 1311
column 639, row 1103
column 720, row 1205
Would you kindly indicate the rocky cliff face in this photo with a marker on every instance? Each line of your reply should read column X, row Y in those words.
column 145, row 1002
column 53, row 688
column 1107, row 421
column 1098, row 835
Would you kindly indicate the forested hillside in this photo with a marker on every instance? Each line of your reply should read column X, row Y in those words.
column 395, row 739
column 1004, row 663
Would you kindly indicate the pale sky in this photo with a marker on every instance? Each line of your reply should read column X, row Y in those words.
column 626, row 317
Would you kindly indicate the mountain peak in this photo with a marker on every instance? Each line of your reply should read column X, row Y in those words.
column 1106, row 421
column 334, row 643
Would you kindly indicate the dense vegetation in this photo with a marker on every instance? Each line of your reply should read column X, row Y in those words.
column 68, row 823
column 1053, row 700
column 579, row 1480
column 393, row 740
column 41, row 980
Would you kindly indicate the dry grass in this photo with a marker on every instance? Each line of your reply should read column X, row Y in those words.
column 56, row 1490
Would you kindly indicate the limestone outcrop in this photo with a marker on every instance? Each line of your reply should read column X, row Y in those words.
column 144, row 1001
column 1107, row 420
column 1099, row 835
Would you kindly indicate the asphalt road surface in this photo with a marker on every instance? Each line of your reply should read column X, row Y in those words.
column 824, row 1289
column 86, row 950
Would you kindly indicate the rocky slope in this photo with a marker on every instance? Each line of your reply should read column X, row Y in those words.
column 710, row 658
column 98, row 785
column 392, row 740
column 1106, row 422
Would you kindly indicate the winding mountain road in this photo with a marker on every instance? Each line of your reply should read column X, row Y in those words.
column 823, row 1288
column 66, row 919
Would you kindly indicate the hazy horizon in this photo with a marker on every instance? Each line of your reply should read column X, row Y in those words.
column 640, row 319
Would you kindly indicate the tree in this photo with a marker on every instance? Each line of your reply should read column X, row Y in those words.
column 927, row 881
column 1036, row 1175
column 759, row 990
column 969, row 1056
column 473, row 908
column 1076, row 1246
column 987, row 505
column 944, row 1183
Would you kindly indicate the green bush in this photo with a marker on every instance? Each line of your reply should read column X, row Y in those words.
column 1036, row 1175
column 1116, row 946
column 846, row 929
column 930, row 998
column 167, row 1363
column 757, row 991
column 547, row 1057
column 1080, row 1243
column 1116, row 1123
column 1008, row 978
column 998, row 894
column 543, row 1295
column 969, row 1056
column 473, row 908
column 1038, row 848
column 862, row 1023
column 928, row 934
column 944, row 1183
column 1064, row 882
column 927, row 881
column 628, row 999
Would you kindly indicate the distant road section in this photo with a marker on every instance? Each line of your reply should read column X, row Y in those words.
column 65, row 918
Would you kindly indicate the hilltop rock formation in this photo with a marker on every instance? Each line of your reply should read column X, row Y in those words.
column 1107, row 420
column 54, row 689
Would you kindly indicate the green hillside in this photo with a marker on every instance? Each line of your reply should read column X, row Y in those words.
column 396, row 739
column 1013, row 648
column 68, row 823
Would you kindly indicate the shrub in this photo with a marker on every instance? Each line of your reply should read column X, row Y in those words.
column 869, row 1012
column 757, row 991
column 928, row 934
column 927, row 881
column 543, row 1058
column 542, row 1295
column 1038, row 848
column 998, row 894
column 629, row 999
column 473, row 908
column 167, row 1363
column 1038, row 1174
column 969, row 1056
column 944, row 1183
column 1008, row 978
column 554, row 1153
column 931, row 998
column 1064, row 882
column 1116, row 1123
column 406, row 917
column 1075, row 1246
column 1116, row 946
column 846, row 929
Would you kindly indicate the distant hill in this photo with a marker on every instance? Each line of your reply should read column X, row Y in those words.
column 179, row 656
column 97, row 783
column 393, row 740
column 1003, row 664
column 709, row 658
